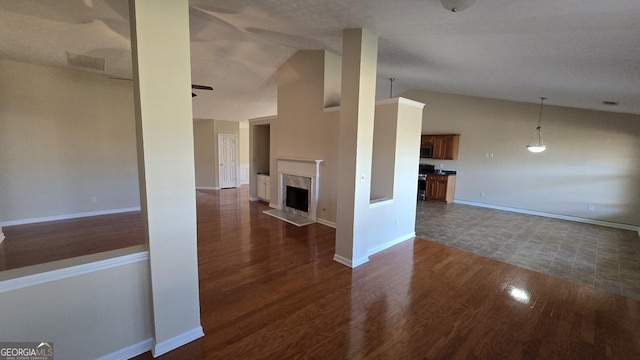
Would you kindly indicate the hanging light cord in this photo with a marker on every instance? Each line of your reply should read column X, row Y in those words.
column 391, row 88
column 542, row 99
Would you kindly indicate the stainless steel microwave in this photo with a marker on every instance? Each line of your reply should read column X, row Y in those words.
column 426, row 151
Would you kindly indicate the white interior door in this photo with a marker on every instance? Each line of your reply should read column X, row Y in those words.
column 228, row 159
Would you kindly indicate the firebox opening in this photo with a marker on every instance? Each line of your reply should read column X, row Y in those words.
column 297, row 198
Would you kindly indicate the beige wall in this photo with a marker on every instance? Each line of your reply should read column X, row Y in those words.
column 592, row 157
column 394, row 221
column 86, row 316
column 65, row 137
column 262, row 148
column 384, row 151
column 205, row 135
column 243, row 142
column 302, row 128
column 205, row 153
column 164, row 124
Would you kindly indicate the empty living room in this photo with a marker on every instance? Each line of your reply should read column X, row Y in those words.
column 429, row 179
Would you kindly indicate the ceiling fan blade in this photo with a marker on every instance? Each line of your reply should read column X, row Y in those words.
column 201, row 87
column 193, row 86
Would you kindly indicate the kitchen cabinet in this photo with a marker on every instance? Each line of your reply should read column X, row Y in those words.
column 441, row 187
column 427, row 140
column 445, row 147
column 264, row 187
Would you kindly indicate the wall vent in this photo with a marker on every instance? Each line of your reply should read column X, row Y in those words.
column 85, row 62
column 610, row 103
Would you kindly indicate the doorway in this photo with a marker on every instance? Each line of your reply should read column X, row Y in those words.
column 228, row 160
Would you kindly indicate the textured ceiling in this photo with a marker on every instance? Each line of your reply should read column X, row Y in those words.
column 575, row 52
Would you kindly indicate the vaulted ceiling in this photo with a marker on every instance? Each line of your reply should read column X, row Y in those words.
column 577, row 53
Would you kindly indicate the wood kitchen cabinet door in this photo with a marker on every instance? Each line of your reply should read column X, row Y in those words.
column 441, row 188
column 432, row 188
column 427, row 140
column 445, row 147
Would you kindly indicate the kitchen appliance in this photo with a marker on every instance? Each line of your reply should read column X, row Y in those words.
column 426, row 151
column 422, row 186
column 423, row 170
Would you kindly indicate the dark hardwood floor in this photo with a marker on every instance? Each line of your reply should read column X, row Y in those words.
column 270, row 290
column 39, row 243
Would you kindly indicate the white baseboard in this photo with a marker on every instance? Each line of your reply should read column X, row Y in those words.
column 253, row 198
column 350, row 263
column 176, row 341
column 389, row 244
column 550, row 215
column 68, row 216
column 207, row 188
column 130, row 351
column 275, row 206
column 326, row 222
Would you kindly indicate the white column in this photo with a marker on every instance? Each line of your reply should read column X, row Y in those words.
column 357, row 107
column 164, row 124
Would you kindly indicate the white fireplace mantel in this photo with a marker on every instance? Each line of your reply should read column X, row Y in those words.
column 300, row 167
column 295, row 159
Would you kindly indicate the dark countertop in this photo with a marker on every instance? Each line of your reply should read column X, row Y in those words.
column 263, row 173
column 442, row 172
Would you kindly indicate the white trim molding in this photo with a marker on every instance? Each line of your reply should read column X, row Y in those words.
column 69, row 216
column 130, row 351
column 176, row 341
column 67, row 272
column 350, row 263
column 326, row 222
column 1, row 233
column 391, row 243
column 207, row 188
column 553, row 216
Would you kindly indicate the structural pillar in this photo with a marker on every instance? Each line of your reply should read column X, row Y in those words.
column 357, row 108
column 164, row 126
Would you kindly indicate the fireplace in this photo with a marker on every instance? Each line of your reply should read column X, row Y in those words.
column 297, row 198
column 298, row 181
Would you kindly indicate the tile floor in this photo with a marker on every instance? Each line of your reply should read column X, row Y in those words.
column 593, row 255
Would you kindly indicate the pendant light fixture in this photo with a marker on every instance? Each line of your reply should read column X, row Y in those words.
column 456, row 5
column 536, row 144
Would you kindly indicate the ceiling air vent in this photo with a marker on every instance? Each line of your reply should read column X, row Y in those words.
column 610, row 103
column 85, row 62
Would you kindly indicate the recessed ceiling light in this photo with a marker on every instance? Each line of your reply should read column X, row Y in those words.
column 610, row 103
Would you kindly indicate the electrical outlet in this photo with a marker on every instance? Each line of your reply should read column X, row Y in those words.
column 591, row 207
column 482, row 194
column 94, row 199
